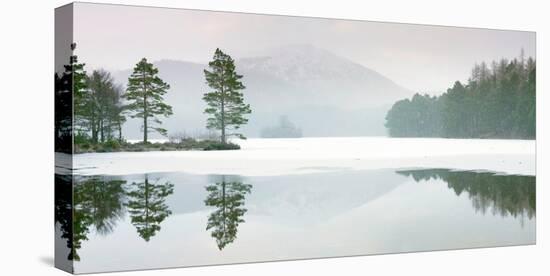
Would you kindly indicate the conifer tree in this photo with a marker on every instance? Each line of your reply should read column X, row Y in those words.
column 78, row 73
column 145, row 92
column 225, row 102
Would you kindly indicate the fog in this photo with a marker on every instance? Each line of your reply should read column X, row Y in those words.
column 329, row 77
column 418, row 57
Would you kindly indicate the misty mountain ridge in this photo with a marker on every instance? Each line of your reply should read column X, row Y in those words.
column 304, row 62
column 308, row 84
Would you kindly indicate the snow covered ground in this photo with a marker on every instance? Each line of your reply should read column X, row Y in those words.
column 306, row 155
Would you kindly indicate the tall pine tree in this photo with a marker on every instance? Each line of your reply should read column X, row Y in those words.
column 144, row 92
column 225, row 102
column 79, row 88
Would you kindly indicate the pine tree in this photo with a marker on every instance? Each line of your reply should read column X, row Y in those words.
column 78, row 73
column 225, row 102
column 144, row 92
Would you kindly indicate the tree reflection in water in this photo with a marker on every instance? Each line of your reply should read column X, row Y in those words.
column 228, row 199
column 513, row 195
column 146, row 206
column 101, row 201
column 99, row 205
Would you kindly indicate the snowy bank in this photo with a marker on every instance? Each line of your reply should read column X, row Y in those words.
column 305, row 155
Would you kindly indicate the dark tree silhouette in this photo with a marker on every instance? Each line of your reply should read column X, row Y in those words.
column 68, row 89
column 64, row 211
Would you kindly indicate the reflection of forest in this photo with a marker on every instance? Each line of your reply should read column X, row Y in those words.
column 99, row 204
column 101, row 201
column 505, row 194
column 228, row 199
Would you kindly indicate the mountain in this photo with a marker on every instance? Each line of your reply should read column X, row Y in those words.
column 310, row 73
column 322, row 93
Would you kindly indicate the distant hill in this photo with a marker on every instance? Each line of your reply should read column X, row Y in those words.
column 305, row 74
column 325, row 95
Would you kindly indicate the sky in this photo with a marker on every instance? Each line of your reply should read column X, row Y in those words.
column 422, row 58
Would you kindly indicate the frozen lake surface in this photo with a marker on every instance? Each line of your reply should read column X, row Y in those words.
column 280, row 199
column 156, row 220
column 261, row 157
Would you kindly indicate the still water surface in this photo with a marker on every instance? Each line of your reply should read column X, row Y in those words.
column 176, row 219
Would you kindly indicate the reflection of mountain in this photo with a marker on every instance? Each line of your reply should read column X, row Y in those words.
column 292, row 199
column 306, row 83
column 314, row 198
column 513, row 195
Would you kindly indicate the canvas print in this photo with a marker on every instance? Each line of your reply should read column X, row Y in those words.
column 191, row 138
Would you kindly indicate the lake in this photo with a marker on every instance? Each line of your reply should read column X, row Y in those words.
column 265, row 157
column 173, row 219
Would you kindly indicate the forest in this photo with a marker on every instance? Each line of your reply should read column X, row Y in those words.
column 101, row 107
column 498, row 101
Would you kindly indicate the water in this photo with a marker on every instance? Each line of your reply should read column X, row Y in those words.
column 175, row 219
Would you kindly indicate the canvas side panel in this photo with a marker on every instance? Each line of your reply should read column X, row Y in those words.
column 63, row 139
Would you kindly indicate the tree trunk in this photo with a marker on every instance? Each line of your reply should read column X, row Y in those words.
column 102, row 134
column 94, row 130
column 146, row 202
column 145, row 128
column 224, row 204
column 119, row 132
column 145, row 123
column 223, row 115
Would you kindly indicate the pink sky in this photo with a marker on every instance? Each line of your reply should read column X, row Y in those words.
column 419, row 57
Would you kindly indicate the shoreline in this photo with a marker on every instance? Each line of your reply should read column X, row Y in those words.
column 259, row 157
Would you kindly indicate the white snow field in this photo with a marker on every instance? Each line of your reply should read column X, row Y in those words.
column 260, row 157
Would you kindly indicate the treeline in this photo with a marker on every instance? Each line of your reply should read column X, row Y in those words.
column 99, row 110
column 497, row 102
column 101, row 106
